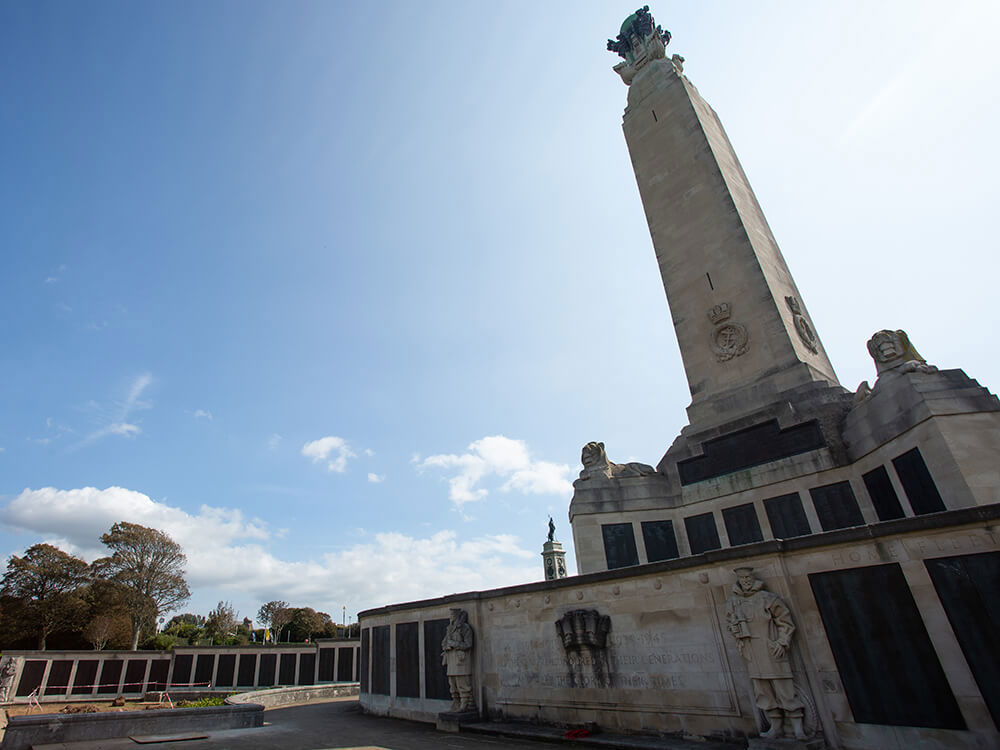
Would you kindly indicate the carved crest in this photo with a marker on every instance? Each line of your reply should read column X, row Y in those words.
column 719, row 313
column 802, row 326
column 729, row 339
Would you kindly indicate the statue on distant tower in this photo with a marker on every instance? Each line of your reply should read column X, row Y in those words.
column 552, row 530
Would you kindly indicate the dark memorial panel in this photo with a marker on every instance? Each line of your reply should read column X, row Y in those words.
column 619, row 545
column 203, row 667
column 182, row 669
column 702, row 533
column 753, row 446
column 246, row 670
column 742, row 524
column 787, row 516
column 918, row 484
column 968, row 586
column 363, row 676
column 227, row 670
column 345, row 664
column 268, row 665
column 836, row 506
column 307, row 669
column 326, row 659
column 31, row 677
column 158, row 672
column 661, row 544
column 435, row 675
column 135, row 675
column 286, row 669
column 58, row 679
column 380, row 660
column 86, row 676
column 884, row 498
column 887, row 663
column 111, row 674
column 407, row 660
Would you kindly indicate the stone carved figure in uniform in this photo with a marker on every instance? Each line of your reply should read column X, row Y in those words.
column 7, row 673
column 456, row 656
column 762, row 626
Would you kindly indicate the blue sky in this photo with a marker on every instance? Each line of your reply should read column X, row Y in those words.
column 334, row 293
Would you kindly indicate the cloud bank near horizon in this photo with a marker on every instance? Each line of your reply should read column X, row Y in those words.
column 230, row 553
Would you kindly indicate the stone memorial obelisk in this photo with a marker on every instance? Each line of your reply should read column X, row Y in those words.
column 744, row 332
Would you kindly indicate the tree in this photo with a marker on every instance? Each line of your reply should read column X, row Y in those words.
column 186, row 619
column 305, row 623
column 47, row 582
column 187, row 626
column 148, row 566
column 107, row 599
column 275, row 615
column 221, row 623
column 105, row 628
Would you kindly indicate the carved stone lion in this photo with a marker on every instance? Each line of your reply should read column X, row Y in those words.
column 892, row 350
column 596, row 464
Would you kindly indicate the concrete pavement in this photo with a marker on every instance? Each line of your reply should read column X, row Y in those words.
column 339, row 725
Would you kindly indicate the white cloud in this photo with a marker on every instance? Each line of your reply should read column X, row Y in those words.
column 373, row 478
column 203, row 414
column 229, row 553
column 116, row 419
column 369, row 452
column 504, row 458
column 135, row 391
column 78, row 517
column 321, row 450
column 274, row 441
column 123, row 428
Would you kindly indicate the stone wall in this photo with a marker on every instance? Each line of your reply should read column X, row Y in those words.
column 25, row 732
column 892, row 647
column 919, row 444
column 79, row 675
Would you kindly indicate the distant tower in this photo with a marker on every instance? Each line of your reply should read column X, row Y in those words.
column 744, row 333
column 553, row 556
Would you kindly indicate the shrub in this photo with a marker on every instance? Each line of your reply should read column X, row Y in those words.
column 208, row 700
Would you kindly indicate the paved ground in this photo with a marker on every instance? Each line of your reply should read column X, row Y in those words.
column 339, row 725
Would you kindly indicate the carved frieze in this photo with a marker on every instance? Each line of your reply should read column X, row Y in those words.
column 583, row 627
column 584, row 635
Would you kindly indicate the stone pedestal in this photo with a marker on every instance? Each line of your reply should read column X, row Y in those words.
column 786, row 743
column 451, row 721
column 554, row 560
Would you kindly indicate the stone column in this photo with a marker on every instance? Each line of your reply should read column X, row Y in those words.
column 744, row 332
column 554, row 560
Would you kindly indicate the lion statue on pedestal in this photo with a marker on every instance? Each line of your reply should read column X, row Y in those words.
column 596, row 464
